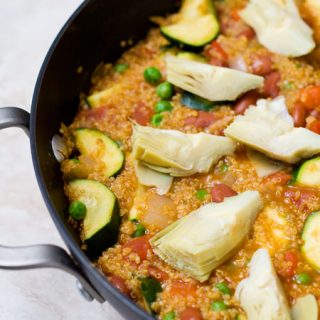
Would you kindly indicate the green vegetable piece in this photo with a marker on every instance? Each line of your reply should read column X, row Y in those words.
column 156, row 119
column 303, row 278
column 140, row 231
column 201, row 194
column 218, row 306
column 75, row 160
column 169, row 316
column 152, row 75
column 77, row 210
column 150, row 287
column 223, row 288
column 288, row 85
column 224, row 167
column 195, row 102
column 121, row 67
column 162, row 106
column 165, row 90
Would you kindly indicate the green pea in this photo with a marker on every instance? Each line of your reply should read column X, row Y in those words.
column 121, row 67
column 224, row 167
column 303, row 278
column 140, row 231
column 201, row 194
column 156, row 119
column 162, row 106
column 223, row 288
column 165, row 90
column 169, row 316
column 218, row 306
column 75, row 160
column 77, row 210
column 152, row 75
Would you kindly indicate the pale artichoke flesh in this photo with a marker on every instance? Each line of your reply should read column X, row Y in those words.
column 176, row 153
column 279, row 27
column 210, row 82
column 305, row 308
column 261, row 294
column 205, row 238
column 269, row 128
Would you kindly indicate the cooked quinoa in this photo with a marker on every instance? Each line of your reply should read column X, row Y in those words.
column 132, row 101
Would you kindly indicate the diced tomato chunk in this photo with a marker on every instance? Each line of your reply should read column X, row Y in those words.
column 292, row 260
column 315, row 126
column 157, row 273
column 271, row 84
column 139, row 245
column 221, row 191
column 120, row 284
column 216, row 54
column 248, row 99
column 247, row 32
column 142, row 114
column 191, row 314
column 299, row 115
column 203, row 120
column 181, row 288
column 310, row 97
column 281, row 178
column 261, row 64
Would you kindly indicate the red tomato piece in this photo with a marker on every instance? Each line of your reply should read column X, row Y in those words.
column 292, row 258
column 261, row 65
column 157, row 273
column 203, row 120
column 271, row 87
column 282, row 178
column 247, row 32
column 191, row 314
column 248, row 99
column 315, row 126
column 299, row 115
column 216, row 55
column 181, row 288
column 139, row 245
column 120, row 284
column 310, row 96
column 142, row 114
column 221, row 191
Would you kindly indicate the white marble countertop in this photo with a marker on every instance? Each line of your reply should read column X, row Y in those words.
column 27, row 29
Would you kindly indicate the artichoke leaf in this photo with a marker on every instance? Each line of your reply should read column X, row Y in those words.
column 305, row 308
column 152, row 178
column 201, row 241
column 269, row 128
column 210, row 82
column 279, row 26
column 261, row 294
column 177, row 153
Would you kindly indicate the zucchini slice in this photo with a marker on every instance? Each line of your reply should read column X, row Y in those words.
column 101, row 98
column 102, row 220
column 195, row 102
column 150, row 287
column 309, row 173
column 191, row 56
column 97, row 146
column 311, row 237
column 192, row 34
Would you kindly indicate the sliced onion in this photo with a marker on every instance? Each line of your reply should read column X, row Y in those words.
column 238, row 63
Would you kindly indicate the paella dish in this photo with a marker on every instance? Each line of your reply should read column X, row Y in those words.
column 192, row 166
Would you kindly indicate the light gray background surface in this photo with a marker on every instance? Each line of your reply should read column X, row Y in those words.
column 27, row 28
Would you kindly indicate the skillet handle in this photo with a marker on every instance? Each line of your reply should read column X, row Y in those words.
column 39, row 256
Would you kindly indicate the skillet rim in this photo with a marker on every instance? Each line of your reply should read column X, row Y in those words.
column 77, row 254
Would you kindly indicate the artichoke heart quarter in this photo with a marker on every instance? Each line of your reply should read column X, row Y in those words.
column 261, row 294
column 269, row 128
column 176, row 153
column 210, row 82
column 201, row 241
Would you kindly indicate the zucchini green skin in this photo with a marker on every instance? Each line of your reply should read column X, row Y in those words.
column 195, row 102
column 188, row 46
column 102, row 221
column 86, row 143
column 310, row 234
column 150, row 287
column 106, row 236
column 308, row 173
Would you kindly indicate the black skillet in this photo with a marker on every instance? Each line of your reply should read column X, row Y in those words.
column 92, row 35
